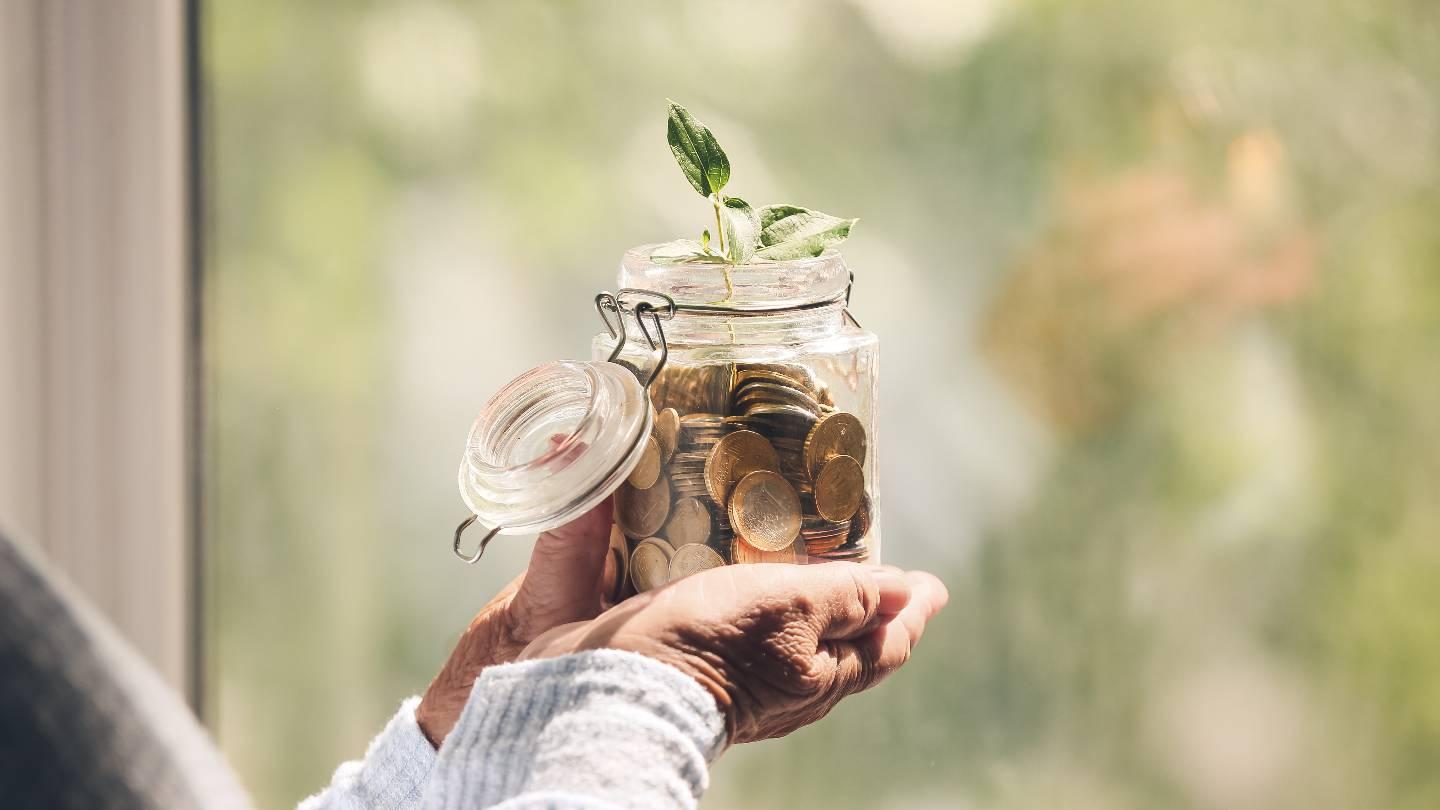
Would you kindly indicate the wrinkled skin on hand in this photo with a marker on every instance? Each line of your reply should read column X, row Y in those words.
column 564, row 583
column 777, row 645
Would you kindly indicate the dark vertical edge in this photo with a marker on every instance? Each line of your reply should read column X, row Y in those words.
column 196, row 245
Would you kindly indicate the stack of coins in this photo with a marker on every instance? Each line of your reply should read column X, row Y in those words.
column 822, row 537
column 788, row 405
column 702, row 389
column 748, row 462
column 833, row 456
column 780, row 402
column 699, row 433
column 853, row 548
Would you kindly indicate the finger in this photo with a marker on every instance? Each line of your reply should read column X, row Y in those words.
column 841, row 599
column 850, row 600
column 854, row 666
column 861, row 663
column 893, row 641
column 838, row 599
column 891, row 609
column 573, row 554
column 928, row 596
column 562, row 583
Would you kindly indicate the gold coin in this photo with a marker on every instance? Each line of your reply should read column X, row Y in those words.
column 746, row 376
column 736, row 456
column 822, row 546
column 765, row 510
column 838, row 488
column 689, row 523
column 692, row 559
column 860, row 524
column 839, row 434
column 760, row 391
column 667, row 433
column 847, row 553
column 650, row 564
column 793, row 374
column 648, row 470
column 641, row 512
column 693, row 388
column 619, row 559
column 742, row 552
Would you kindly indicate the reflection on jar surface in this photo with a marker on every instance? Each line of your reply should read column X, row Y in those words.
column 773, row 387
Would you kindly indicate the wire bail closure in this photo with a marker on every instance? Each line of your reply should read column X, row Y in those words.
column 613, row 307
column 648, row 310
column 641, row 306
column 471, row 559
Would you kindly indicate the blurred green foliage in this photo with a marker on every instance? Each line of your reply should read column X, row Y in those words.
column 1156, row 287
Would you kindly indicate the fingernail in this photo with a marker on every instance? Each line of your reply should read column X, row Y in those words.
column 894, row 591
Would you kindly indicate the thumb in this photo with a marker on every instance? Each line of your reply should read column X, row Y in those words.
column 562, row 583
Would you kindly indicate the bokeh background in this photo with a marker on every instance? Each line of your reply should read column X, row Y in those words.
column 1158, row 296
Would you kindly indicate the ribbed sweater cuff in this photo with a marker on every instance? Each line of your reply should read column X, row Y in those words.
column 392, row 776
column 409, row 757
column 604, row 724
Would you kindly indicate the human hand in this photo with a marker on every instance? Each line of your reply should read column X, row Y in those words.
column 565, row 582
column 777, row 645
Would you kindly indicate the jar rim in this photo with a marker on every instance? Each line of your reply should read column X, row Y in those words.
column 640, row 255
column 758, row 285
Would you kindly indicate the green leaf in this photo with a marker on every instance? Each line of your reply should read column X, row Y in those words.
column 742, row 230
column 792, row 232
column 700, row 157
column 770, row 214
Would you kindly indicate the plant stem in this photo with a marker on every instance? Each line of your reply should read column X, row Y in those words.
column 719, row 227
column 720, row 231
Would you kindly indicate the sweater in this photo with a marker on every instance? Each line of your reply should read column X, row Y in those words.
column 596, row 730
column 85, row 722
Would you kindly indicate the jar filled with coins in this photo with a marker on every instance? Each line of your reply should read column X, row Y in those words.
column 762, row 448
column 729, row 409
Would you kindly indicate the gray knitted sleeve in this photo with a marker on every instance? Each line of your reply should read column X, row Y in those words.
column 393, row 774
column 600, row 729
column 591, row 731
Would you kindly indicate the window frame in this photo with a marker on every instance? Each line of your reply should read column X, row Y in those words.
column 99, row 310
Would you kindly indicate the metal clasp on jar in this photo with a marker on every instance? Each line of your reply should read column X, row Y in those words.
column 613, row 307
column 648, row 309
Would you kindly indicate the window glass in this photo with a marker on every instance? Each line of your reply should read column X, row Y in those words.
column 1156, row 289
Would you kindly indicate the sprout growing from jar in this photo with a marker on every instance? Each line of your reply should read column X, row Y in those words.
column 742, row 234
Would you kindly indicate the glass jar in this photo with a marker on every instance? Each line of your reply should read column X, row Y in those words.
column 729, row 408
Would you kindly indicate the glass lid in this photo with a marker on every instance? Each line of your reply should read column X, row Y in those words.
column 552, row 444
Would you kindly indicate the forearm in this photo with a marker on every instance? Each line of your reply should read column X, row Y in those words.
column 592, row 730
